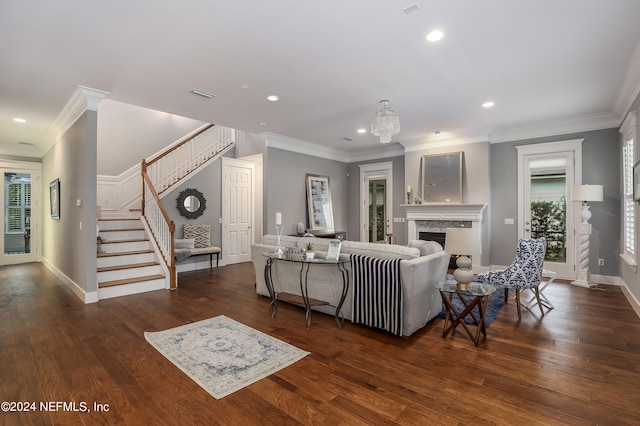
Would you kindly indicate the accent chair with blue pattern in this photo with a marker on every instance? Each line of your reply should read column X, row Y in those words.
column 524, row 273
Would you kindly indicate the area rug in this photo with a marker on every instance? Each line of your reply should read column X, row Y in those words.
column 223, row 355
column 495, row 303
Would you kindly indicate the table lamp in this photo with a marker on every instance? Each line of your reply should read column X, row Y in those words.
column 584, row 194
column 463, row 242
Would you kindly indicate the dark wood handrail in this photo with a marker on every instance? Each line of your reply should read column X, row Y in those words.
column 173, row 148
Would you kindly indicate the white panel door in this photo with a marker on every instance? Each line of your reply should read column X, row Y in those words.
column 21, row 212
column 237, row 210
column 546, row 173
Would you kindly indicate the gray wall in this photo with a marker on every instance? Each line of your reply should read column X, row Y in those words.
column 285, row 191
column 140, row 132
column 399, row 197
column 209, row 182
column 600, row 165
column 475, row 176
column 69, row 248
column 476, row 188
column 631, row 277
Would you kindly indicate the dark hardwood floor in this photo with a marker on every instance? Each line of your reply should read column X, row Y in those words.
column 578, row 365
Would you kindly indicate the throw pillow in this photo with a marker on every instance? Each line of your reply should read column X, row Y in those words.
column 426, row 247
column 200, row 233
column 186, row 243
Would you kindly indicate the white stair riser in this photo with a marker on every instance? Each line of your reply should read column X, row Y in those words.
column 128, row 246
column 119, row 224
column 137, row 234
column 124, row 290
column 123, row 274
column 104, row 262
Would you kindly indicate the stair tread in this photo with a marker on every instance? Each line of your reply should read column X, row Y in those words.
column 113, row 219
column 122, row 229
column 129, row 266
column 130, row 280
column 134, row 240
column 125, row 253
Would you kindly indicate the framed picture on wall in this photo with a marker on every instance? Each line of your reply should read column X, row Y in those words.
column 54, row 198
column 319, row 203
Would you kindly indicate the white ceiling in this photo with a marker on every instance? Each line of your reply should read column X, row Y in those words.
column 544, row 63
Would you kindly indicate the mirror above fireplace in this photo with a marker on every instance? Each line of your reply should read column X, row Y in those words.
column 442, row 178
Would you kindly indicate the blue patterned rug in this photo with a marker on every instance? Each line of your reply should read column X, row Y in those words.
column 495, row 303
column 222, row 355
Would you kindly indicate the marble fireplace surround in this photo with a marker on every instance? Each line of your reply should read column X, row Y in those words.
column 436, row 218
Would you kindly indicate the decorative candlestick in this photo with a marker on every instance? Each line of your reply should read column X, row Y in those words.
column 278, row 252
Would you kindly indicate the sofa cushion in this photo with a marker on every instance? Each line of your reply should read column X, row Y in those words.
column 200, row 233
column 285, row 240
column 184, row 243
column 381, row 251
column 319, row 244
column 426, row 247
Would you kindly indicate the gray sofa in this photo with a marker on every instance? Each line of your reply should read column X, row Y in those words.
column 423, row 264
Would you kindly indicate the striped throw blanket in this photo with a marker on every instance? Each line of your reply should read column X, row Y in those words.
column 377, row 293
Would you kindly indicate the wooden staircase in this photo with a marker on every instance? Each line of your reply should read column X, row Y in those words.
column 128, row 263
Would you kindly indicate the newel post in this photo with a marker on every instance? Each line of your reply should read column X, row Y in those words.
column 143, row 172
column 173, row 282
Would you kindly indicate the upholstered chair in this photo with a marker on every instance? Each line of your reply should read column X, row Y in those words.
column 524, row 273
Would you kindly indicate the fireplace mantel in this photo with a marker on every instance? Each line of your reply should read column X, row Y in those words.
column 457, row 212
column 444, row 213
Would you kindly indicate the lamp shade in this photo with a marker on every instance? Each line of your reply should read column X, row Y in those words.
column 463, row 241
column 586, row 193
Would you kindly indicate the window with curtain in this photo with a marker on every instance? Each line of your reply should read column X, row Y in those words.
column 628, row 130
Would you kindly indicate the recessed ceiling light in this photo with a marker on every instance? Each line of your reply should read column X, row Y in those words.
column 362, row 130
column 202, row 93
column 435, row 35
column 19, row 120
column 263, row 123
column 272, row 98
column 488, row 104
column 437, row 132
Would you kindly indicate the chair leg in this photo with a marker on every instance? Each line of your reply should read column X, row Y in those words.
column 506, row 295
column 537, row 290
column 518, row 303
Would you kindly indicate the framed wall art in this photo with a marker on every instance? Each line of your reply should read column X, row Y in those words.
column 319, row 204
column 54, row 198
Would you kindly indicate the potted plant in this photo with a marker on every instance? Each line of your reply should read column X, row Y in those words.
column 310, row 252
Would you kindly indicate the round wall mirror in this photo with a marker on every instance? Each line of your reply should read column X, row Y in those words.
column 191, row 203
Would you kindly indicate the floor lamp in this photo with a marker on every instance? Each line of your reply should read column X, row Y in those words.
column 584, row 194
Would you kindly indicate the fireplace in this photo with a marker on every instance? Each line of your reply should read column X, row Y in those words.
column 440, row 238
column 430, row 221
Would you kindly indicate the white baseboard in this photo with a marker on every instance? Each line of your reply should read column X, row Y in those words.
column 606, row 279
column 91, row 297
column 196, row 266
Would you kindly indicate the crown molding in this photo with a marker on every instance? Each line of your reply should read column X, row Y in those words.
column 274, row 140
column 384, row 151
column 630, row 86
column 562, row 126
column 439, row 141
column 82, row 99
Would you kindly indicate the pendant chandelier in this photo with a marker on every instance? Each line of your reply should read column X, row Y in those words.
column 386, row 123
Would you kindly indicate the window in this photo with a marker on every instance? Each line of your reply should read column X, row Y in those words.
column 18, row 207
column 628, row 130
